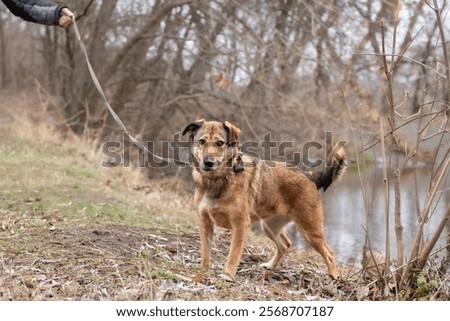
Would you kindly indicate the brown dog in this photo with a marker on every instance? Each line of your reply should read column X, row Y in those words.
column 233, row 191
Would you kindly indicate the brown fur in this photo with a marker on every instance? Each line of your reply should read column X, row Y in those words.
column 233, row 191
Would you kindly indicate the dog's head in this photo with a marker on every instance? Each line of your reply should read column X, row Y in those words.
column 215, row 145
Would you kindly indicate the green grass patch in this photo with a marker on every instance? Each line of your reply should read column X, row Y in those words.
column 39, row 179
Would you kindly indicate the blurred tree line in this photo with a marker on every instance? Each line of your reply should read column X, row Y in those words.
column 284, row 66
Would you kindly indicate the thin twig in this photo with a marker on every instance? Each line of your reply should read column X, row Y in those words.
column 386, row 200
column 403, row 57
column 397, row 172
column 444, row 48
column 442, row 110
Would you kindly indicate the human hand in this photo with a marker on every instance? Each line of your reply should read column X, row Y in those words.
column 66, row 18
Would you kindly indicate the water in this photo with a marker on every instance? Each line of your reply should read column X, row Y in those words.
column 345, row 214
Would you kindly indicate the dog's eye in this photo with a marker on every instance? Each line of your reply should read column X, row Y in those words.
column 220, row 143
column 201, row 142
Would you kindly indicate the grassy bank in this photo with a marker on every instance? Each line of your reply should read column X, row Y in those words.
column 71, row 229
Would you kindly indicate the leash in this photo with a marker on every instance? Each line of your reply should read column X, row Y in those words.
column 133, row 140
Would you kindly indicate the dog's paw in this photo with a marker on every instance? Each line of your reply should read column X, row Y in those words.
column 335, row 278
column 227, row 277
column 268, row 266
column 231, row 271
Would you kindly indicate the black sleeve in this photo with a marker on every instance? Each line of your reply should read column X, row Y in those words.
column 39, row 11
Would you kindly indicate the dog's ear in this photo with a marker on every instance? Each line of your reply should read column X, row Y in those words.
column 232, row 131
column 193, row 127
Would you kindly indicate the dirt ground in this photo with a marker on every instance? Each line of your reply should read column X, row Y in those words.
column 68, row 261
column 44, row 257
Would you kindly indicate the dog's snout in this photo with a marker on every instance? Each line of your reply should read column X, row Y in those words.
column 209, row 163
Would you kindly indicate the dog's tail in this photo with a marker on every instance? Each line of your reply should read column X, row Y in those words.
column 334, row 170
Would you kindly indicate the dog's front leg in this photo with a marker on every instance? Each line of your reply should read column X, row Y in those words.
column 238, row 236
column 206, row 235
